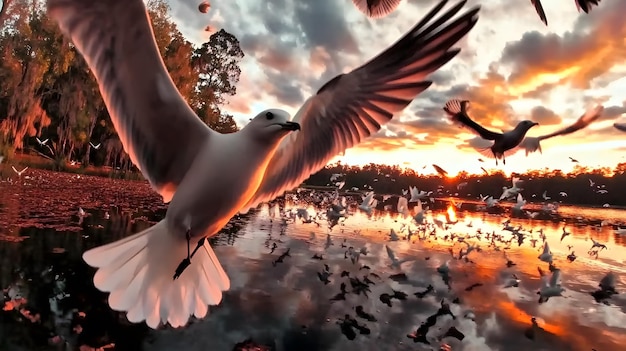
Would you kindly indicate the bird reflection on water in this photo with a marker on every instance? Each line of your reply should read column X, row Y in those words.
column 50, row 298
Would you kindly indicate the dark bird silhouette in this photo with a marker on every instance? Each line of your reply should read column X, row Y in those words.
column 607, row 289
column 585, row 5
column 422, row 294
column 376, row 8
column 399, row 277
column 442, row 172
column 281, row 258
column 323, row 276
column 386, row 299
column 503, row 143
column 564, row 234
column 347, row 328
column 359, row 287
column 453, row 332
column 362, row 314
column 473, row 286
column 318, row 257
column 571, row 257
column 399, row 295
column 532, row 144
column 420, row 334
column 340, row 296
column 531, row 332
column 620, row 126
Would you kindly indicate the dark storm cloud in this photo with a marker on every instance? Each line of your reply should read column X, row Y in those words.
column 540, row 92
column 544, row 116
column 323, row 23
column 476, row 143
column 284, row 89
column 613, row 112
column 592, row 49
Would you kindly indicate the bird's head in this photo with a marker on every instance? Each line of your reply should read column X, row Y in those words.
column 526, row 125
column 271, row 125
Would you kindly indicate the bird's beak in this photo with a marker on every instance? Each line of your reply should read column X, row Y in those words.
column 535, row 124
column 290, row 126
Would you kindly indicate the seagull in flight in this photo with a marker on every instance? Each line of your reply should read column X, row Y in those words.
column 532, row 144
column 584, row 5
column 395, row 262
column 95, row 147
column 208, row 177
column 41, row 143
column 503, row 143
column 19, row 173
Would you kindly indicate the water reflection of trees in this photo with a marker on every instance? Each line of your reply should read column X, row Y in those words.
column 47, row 270
column 393, row 179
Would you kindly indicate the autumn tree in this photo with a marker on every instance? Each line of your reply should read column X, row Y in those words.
column 217, row 63
column 48, row 91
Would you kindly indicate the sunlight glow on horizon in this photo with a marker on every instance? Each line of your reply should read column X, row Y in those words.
column 575, row 64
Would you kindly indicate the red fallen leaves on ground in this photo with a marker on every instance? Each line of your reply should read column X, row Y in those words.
column 46, row 199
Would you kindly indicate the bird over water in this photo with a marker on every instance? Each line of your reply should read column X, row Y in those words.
column 208, row 177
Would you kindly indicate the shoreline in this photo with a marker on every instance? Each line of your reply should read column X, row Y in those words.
column 25, row 159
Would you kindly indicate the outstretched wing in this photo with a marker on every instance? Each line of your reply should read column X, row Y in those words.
column 586, row 5
column 158, row 130
column 390, row 253
column 532, row 144
column 353, row 106
column 457, row 112
column 582, row 122
column 376, row 8
column 442, row 172
column 540, row 11
column 555, row 280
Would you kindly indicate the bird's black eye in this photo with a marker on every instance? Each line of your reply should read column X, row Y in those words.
column 269, row 115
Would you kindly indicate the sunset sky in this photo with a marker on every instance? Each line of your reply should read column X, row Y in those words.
column 511, row 67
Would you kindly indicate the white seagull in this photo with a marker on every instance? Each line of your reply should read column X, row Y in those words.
column 550, row 288
column 395, row 262
column 95, row 147
column 368, row 203
column 19, row 173
column 546, row 255
column 208, row 177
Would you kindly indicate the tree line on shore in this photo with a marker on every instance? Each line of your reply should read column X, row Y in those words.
column 582, row 186
column 50, row 103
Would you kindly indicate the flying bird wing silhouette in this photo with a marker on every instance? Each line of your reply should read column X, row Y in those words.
column 353, row 106
column 376, row 8
column 457, row 111
column 586, row 5
column 532, row 144
column 540, row 11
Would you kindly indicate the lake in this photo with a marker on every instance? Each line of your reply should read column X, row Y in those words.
column 49, row 295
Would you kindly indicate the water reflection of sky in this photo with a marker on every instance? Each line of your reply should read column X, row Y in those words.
column 289, row 306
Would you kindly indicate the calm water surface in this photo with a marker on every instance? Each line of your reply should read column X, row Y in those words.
column 286, row 305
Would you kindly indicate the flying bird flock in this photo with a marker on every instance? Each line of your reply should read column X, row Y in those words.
column 169, row 272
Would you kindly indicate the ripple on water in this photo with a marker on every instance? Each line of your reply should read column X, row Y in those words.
column 290, row 306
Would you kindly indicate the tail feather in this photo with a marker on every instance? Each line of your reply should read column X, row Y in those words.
column 138, row 270
column 455, row 109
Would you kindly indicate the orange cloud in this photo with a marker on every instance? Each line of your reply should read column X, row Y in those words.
column 594, row 47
